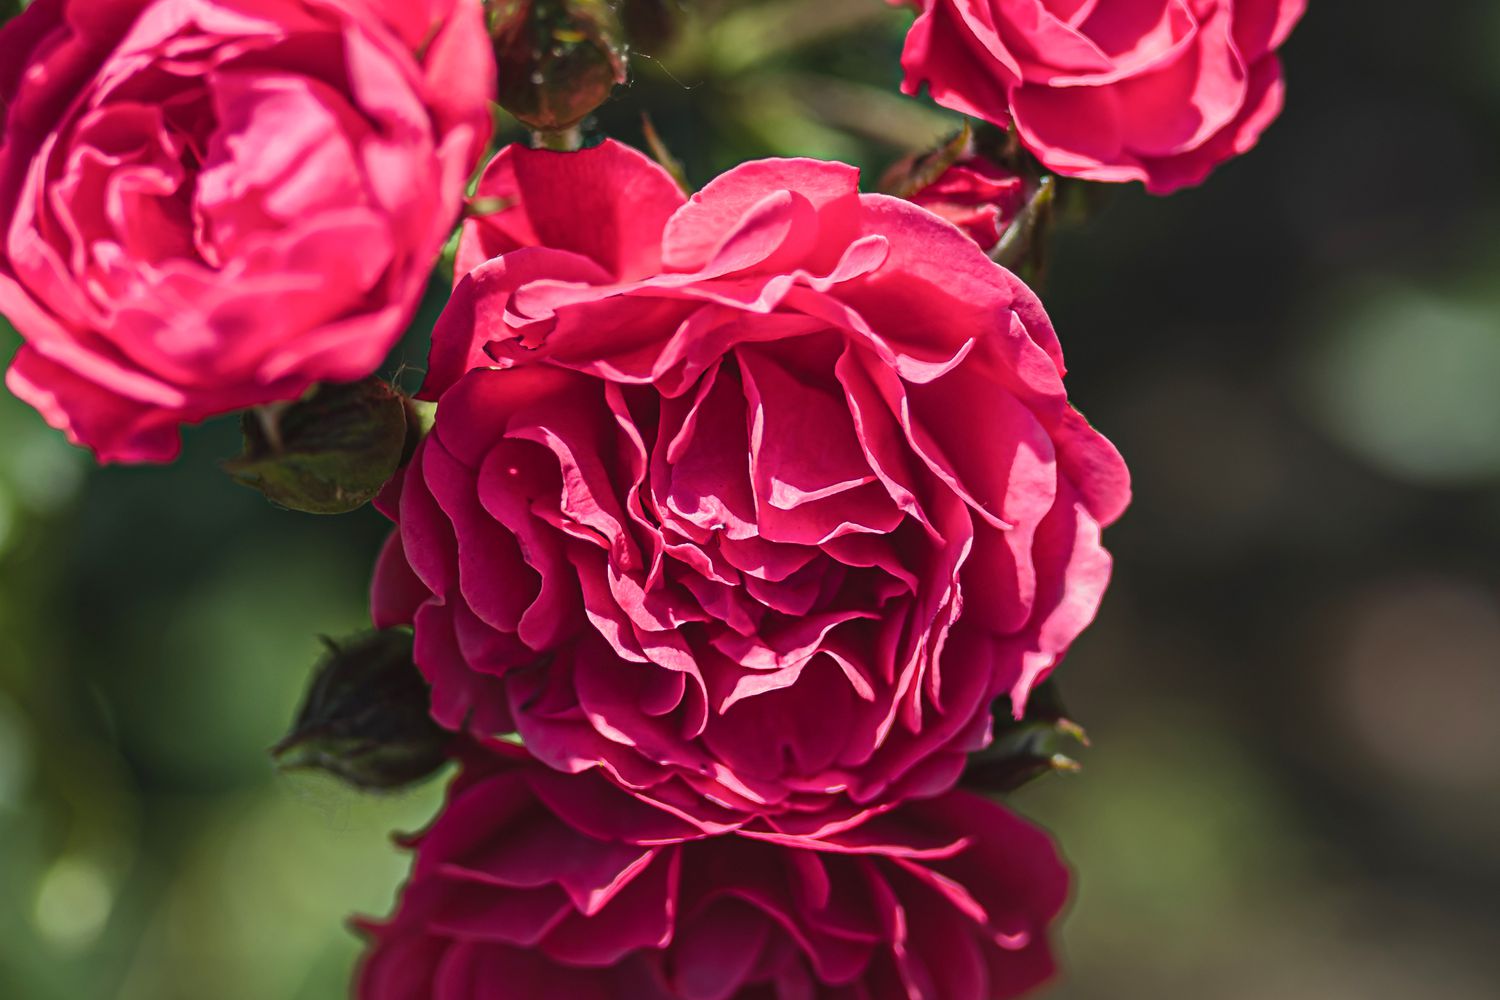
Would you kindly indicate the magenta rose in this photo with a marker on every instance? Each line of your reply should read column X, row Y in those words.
column 213, row 204
column 1160, row 91
column 755, row 501
column 975, row 194
column 534, row 884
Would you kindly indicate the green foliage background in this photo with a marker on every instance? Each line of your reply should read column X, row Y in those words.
column 1294, row 789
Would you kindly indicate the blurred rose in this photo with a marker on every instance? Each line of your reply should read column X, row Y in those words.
column 975, row 194
column 536, row 884
column 761, row 500
column 1160, row 91
column 215, row 204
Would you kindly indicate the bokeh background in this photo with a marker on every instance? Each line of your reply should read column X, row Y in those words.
column 1293, row 689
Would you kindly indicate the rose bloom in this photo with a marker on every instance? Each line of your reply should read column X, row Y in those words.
column 1160, row 91
column 756, row 501
column 536, row 884
column 975, row 194
column 211, row 204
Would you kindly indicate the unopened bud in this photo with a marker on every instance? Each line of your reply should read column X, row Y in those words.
column 558, row 60
column 328, row 453
column 977, row 194
column 365, row 717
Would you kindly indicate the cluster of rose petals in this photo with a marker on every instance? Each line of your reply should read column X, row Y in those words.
column 755, row 501
column 975, row 194
column 1160, row 91
column 212, row 204
column 532, row 883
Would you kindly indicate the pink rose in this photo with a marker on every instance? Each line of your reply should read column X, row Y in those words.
column 975, row 194
column 533, row 884
column 756, row 501
column 1160, row 91
column 215, row 204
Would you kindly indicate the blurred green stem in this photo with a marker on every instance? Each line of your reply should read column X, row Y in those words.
column 1023, row 248
column 750, row 35
column 882, row 115
column 561, row 140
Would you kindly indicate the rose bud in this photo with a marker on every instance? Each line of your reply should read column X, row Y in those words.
column 365, row 716
column 558, row 60
column 971, row 191
column 328, row 453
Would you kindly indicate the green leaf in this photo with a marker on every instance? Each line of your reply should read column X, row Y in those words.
column 1027, row 748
